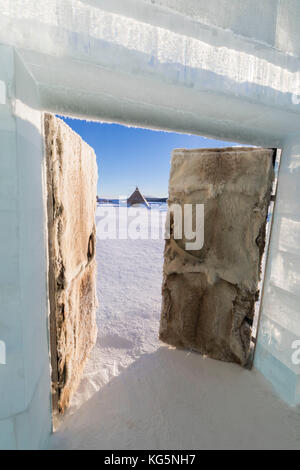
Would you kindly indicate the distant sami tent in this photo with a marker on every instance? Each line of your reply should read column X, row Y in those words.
column 137, row 198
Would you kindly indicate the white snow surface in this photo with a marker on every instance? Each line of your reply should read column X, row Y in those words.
column 137, row 393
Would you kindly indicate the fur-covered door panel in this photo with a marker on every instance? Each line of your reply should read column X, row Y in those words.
column 72, row 188
column 209, row 294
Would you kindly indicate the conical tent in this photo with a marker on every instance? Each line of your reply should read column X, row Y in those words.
column 137, row 198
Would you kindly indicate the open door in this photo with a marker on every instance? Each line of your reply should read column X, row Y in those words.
column 209, row 293
column 71, row 201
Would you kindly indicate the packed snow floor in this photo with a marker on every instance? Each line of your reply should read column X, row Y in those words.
column 138, row 393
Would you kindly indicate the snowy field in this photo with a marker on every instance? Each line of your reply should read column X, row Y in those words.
column 129, row 294
column 137, row 393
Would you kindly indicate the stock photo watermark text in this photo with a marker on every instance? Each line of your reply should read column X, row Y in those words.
column 133, row 223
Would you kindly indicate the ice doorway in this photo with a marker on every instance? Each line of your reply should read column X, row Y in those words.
column 129, row 243
column 129, row 277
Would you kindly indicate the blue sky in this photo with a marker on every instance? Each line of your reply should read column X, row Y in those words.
column 129, row 157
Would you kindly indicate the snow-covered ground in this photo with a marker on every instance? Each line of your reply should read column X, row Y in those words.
column 137, row 393
column 129, row 293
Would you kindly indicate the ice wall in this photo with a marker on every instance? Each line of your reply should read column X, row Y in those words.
column 25, row 418
column 241, row 17
column 269, row 22
column 279, row 333
column 145, row 64
column 227, row 69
